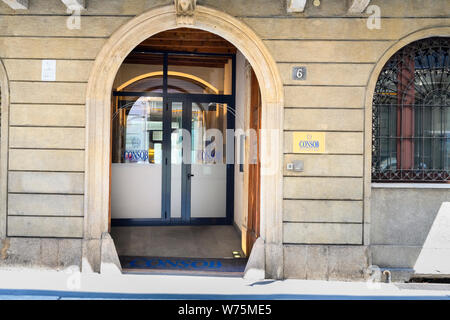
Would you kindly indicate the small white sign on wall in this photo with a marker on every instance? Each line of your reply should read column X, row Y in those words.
column 48, row 70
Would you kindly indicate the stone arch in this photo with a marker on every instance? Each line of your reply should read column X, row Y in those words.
column 438, row 31
column 4, row 91
column 98, row 101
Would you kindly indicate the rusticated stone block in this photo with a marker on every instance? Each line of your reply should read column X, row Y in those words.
column 40, row 253
column 69, row 253
column 348, row 262
column 22, row 252
column 322, row 262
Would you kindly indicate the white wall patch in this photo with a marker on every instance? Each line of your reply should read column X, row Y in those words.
column 48, row 70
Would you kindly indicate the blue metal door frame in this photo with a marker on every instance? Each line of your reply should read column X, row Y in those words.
column 187, row 100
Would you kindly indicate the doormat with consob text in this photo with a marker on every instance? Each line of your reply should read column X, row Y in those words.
column 227, row 265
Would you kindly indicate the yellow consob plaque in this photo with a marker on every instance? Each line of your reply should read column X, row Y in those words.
column 308, row 142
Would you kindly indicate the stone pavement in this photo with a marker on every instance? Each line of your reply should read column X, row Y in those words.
column 28, row 284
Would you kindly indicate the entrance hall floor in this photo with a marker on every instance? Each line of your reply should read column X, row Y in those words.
column 177, row 241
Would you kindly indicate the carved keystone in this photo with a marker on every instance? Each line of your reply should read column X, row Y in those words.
column 185, row 11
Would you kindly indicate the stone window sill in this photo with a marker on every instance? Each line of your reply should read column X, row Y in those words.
column 411, row 185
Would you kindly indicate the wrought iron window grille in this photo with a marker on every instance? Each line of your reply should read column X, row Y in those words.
column 411, row 115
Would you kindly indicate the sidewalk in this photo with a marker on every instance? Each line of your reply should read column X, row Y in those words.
column 61, row 285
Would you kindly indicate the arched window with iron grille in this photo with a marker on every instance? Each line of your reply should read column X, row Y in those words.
column 411, row 115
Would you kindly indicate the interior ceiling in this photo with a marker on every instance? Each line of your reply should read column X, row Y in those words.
column 183, row 40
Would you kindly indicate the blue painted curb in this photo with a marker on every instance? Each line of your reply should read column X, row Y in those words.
column 58, row 295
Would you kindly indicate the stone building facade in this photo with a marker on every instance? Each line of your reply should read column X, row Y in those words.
column 329, row 221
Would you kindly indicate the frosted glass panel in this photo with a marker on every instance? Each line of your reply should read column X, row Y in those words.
column 135, row 191
column 208, row 169
column 209, row 191
column 137, row 130
column 136, row 171
column 175, row 195
column 176, row 162
column 209, row 123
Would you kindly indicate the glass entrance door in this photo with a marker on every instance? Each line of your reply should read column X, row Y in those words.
column 208, row 170
column 170, row 163
column 198, row 168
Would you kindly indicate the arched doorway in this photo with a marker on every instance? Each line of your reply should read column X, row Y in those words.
column 186, row 107
column 101, row 81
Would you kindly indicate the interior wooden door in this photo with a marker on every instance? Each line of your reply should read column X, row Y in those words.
column 254, row 186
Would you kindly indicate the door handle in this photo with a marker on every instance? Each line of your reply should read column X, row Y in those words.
column 190, row 175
